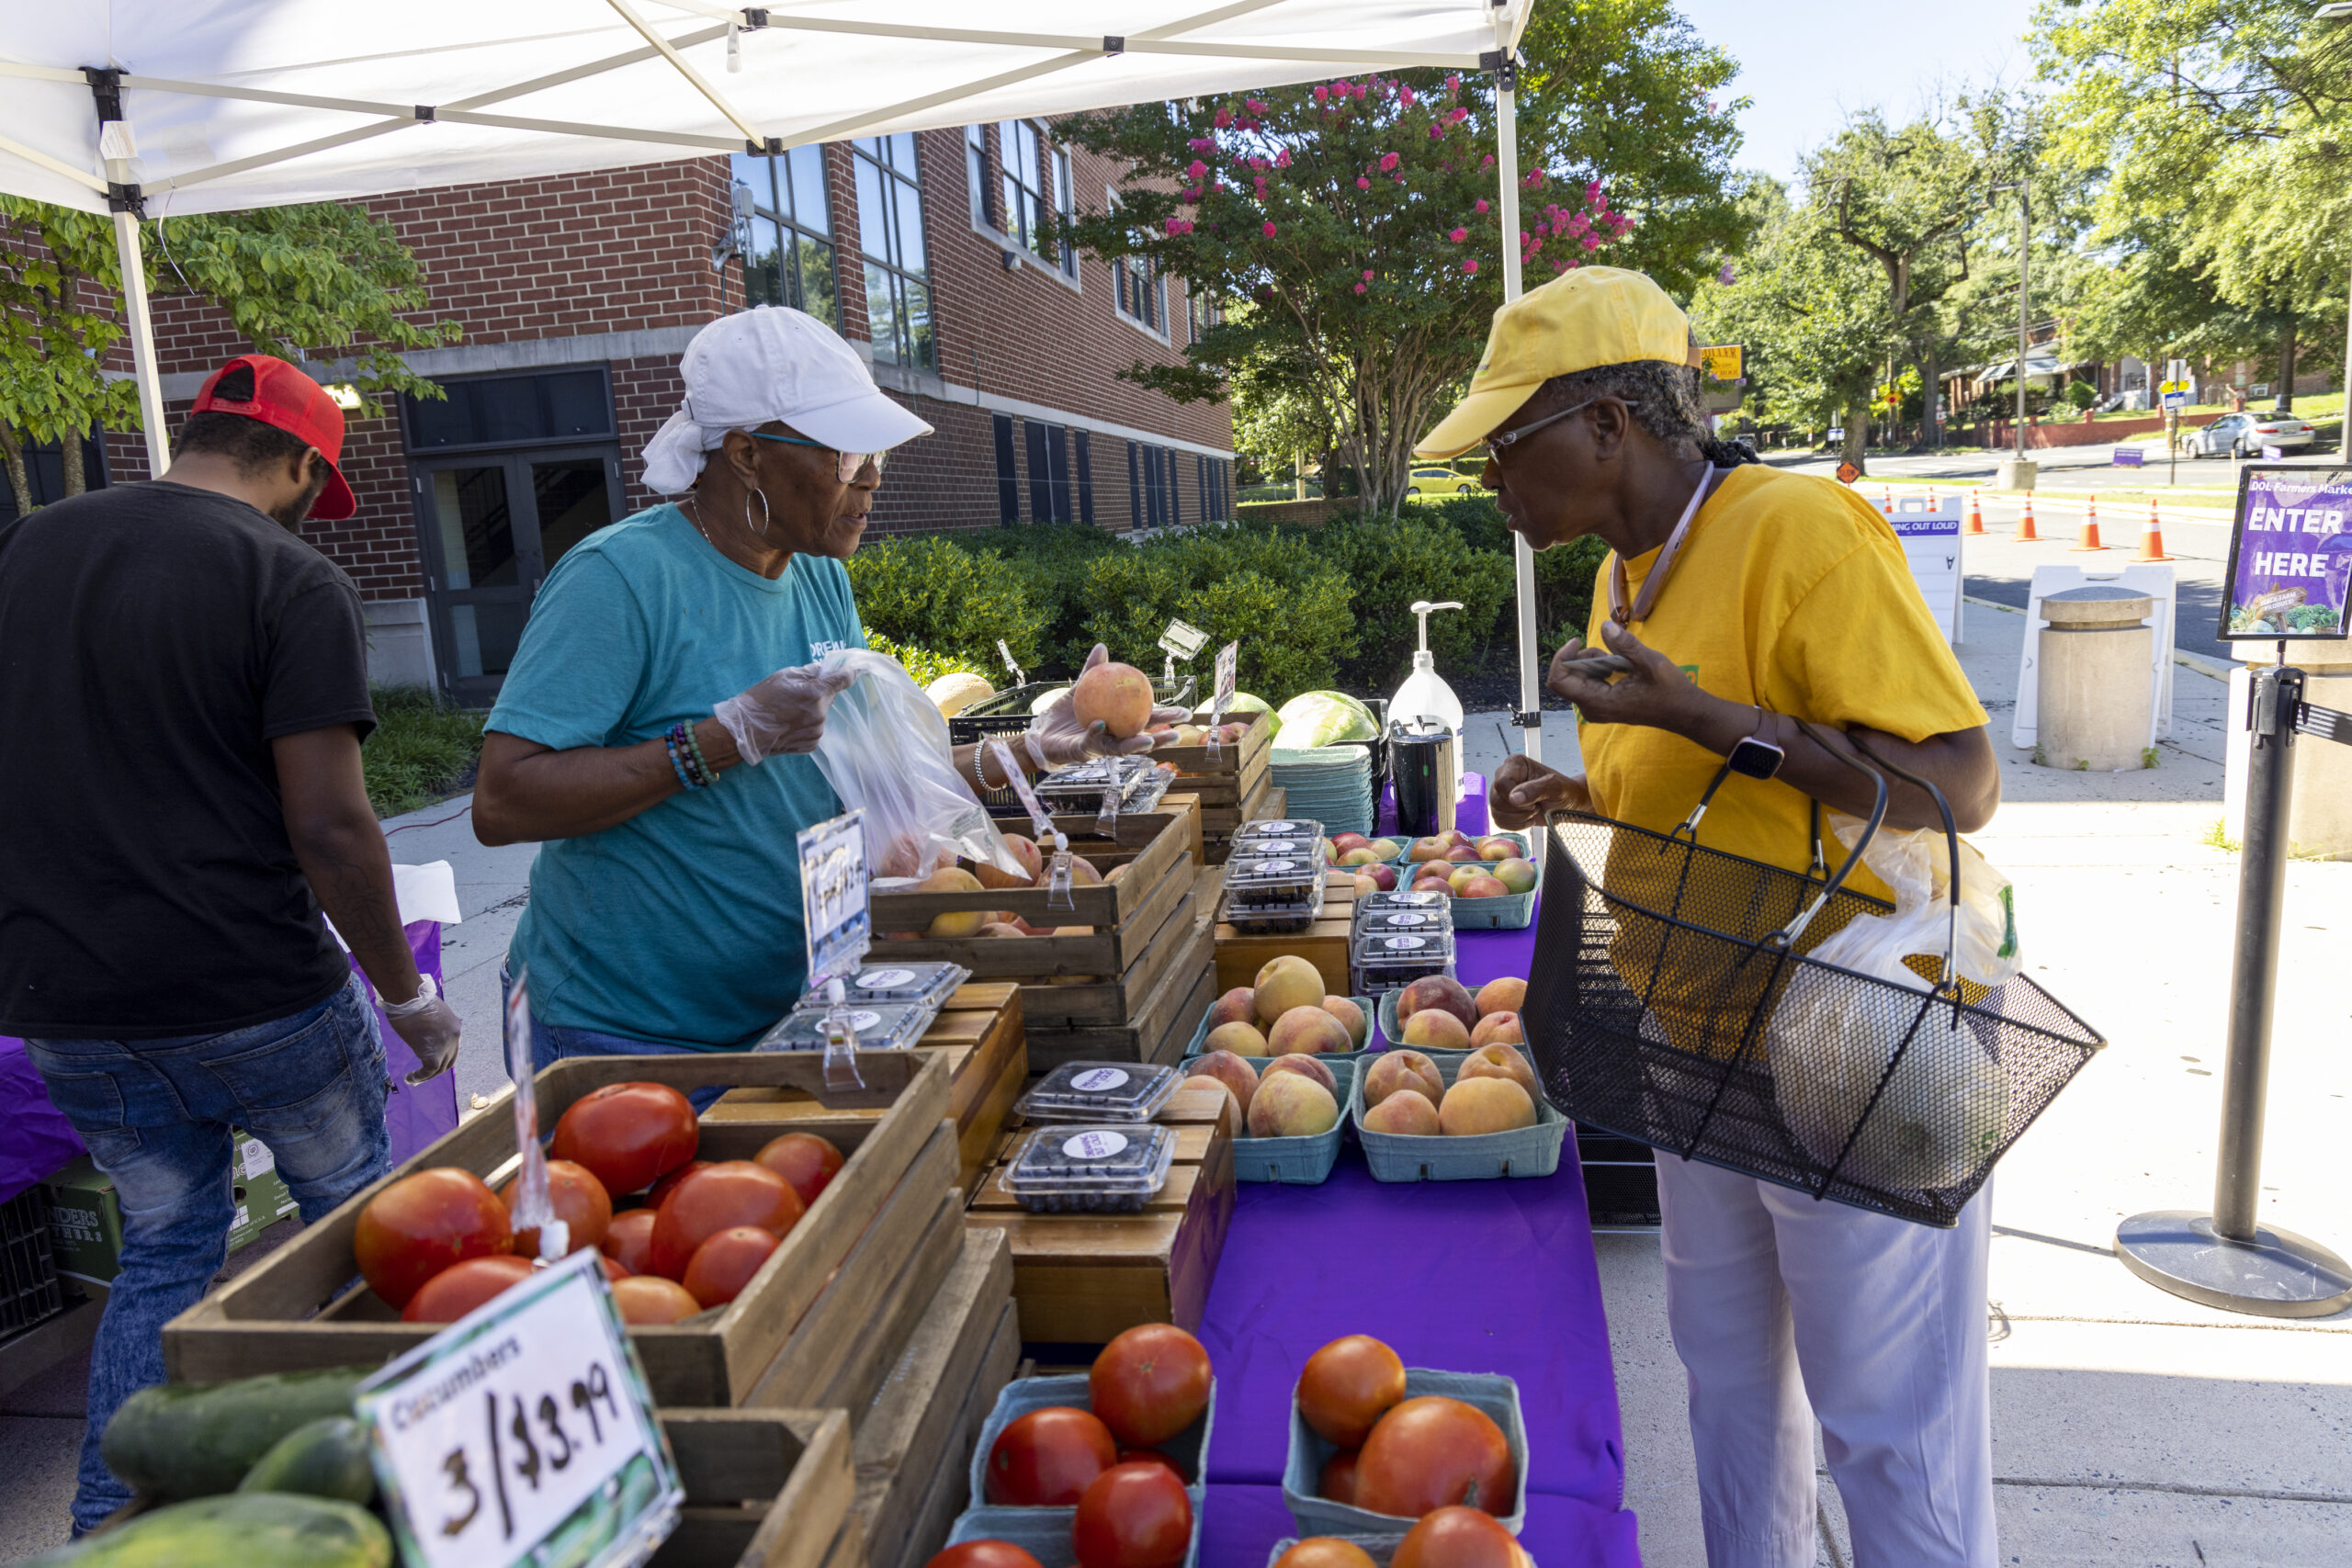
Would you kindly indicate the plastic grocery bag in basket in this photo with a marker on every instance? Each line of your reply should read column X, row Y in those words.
column 885, row 748
column 1945, row 1109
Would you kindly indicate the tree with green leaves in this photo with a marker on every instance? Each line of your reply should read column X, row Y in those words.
column 290, row 279
column 1352, row 224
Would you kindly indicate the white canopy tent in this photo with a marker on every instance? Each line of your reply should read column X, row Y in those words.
column 149, row 108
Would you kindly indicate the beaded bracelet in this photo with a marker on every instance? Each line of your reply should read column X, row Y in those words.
column 682, row 757
column 702, row 763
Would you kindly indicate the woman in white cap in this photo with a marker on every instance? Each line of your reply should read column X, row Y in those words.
column 654, row 729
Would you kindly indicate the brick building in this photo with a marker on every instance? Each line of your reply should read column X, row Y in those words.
column 577, row 294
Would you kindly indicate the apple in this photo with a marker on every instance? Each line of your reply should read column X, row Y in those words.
column 1290, row 1105
column 1441, row 991
column 1516, row 874
column 1361, row 854
column 1239, row 1078
column 1456, row 836
column 1307, row 1029
column 1498, row 1028
column 1383, row 875
column 1346, row 841
column 1428, row 849
column 1000, row 929
column 1237, row 1006
column 1304, row 1065
column 1433, row 884
column 1498, row 1061
column 1483, row 886
column 1397, row 1072
column 1389, row 848
column 1463, row 873
column 1362, row 886
column 1506, row 995
column 1497, row 849
column 1462, row 854
column 1285, row 983
column 1241, row 1039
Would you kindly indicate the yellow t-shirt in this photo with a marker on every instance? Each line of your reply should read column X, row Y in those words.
column 1791, row 593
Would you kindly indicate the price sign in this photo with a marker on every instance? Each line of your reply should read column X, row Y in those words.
column 524, row 1433
column 1183, row 639
column 1018, row 678
column 1228, row 661
column 833, row 894
column 1024, row 792
column 532, row 1205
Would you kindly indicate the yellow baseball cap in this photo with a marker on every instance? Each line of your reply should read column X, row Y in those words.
column 1593, row 316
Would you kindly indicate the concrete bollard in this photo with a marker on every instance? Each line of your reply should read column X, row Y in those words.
column 2016, row 473
column 2319, row 819
column 2095, row 693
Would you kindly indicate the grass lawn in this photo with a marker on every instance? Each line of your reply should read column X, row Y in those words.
column 420, row 751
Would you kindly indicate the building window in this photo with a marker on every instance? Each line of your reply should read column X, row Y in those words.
column 1142, row 293
column 1008, row 483
column 1049, row 489
column 898, row 275
column 1175, row 496
column 790, row 258
column 976, row 173
column 1201, row 314
column 1065, row 205
column 1152, row 497
column 1024, row 182
column 512, row 411
column 1134, row 485
column 1085, row 478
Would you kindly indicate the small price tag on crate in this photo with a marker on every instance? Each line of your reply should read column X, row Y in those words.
column 839, row 923
column 1229, row 661
column 524, row 1433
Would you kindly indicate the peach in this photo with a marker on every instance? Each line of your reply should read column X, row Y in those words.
column 1290, row 1105
column 903, row 858
column 1285, row 983
column 1083, row 873
column 1435, row 1028
column 1438, row 991
column 1241, row 1039
column 1517, row 875
column 1119, row 695
column 1190, row 735
column 1239, row 1078
column 1495, row 1060
column 1240, row 1117
column 1484, row 1105
column 1482, row 887
column 1408, row 1114
column 1506, row 995
column 1307, row 1030
column 1394, row 1072
column 1234, row 1006
column 999, row 929
column 1351, row 1019
column 1306, row 1067
column 1497, row 1029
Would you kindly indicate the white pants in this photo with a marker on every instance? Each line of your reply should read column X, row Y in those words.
column 1784, row 1310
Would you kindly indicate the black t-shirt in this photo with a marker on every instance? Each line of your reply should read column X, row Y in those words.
column 154, row 639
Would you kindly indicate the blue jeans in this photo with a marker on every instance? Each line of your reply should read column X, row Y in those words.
column 157, row 1115
column 552, row 1043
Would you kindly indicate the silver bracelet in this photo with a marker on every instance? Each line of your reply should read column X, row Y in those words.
column 980, row 750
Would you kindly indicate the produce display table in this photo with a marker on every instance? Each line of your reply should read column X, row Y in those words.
column 1466, row 1276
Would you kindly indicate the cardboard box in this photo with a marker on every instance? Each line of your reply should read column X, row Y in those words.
column 86, row 1218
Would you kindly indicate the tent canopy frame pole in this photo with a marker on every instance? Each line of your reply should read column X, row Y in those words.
column 1529, row 717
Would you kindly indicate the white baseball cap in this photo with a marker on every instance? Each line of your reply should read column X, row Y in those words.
column 772, row 362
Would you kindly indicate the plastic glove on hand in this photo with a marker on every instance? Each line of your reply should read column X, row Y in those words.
column 431, row 1033
column 783, row 714
column 1057, row 739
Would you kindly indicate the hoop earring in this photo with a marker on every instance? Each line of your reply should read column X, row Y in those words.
column 765, row 517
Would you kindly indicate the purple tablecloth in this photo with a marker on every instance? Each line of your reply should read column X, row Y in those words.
column 1464, row 1276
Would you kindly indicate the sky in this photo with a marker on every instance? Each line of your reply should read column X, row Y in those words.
column 1807, row 63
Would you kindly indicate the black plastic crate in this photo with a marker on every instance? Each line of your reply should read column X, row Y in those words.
column 30, row 1290
column 1007, row 714
column 1620, row 1181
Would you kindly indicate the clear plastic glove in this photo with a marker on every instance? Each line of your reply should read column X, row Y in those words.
column 428, row 1026
column 1056, row 739
column 783, row 714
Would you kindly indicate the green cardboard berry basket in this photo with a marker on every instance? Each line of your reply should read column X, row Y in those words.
column 1520, row 1154
column 1300, row 1162
column 1490, row 1391
column 1372, row 1041
column 1392, row 1029
column 1381, row 1548
column 1042, row 1533
column 1512, row 912
column 1189, row 1448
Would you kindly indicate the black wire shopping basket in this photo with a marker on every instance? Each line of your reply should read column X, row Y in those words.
column 1671, row 1000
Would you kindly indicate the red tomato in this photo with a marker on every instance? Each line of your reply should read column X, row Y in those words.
column 629, row 1240
column 462, row 1287
column 1326, row 1551
column 628, row 1133
column 579, row 1200
column 1047, row 1457
column 612, row 1271
column 1459, row 1538
column 1347, row 1386
column 1133, row 1515
column 1149, row 1383
column 725, row 1263
column 1431, row 1453
column 1336, row 1480
column 983, row 1555
column 803, row 1159
column 732, row 1192
column 421, row 1224
column 661, row 1190
column 651, row 1298
column 1152, row 1456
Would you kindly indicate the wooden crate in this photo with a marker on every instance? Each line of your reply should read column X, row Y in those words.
column 292, row 1312
column 1082, row 1279
column 922, row 1424
column 1267, row 802
column 1240, row 955
column 1229, row 778
column 1166, row 978
column 765, row 1489
column 1135, row 830
column 979, row 1033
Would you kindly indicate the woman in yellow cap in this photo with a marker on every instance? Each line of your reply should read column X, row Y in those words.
column 1745, row 600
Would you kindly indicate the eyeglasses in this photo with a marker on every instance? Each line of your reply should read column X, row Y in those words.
column 1499, row 444
column 852, row 463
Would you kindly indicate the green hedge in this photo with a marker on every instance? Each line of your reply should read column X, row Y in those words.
column 927, row 591
column 419, row 751
column 1270, row 588
column 926, row 666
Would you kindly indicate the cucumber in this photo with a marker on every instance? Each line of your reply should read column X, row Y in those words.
column 243, row 1529
column 326, row 1458
column 182, row 1440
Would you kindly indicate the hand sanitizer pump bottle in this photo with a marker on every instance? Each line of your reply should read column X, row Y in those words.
column 1425, row 700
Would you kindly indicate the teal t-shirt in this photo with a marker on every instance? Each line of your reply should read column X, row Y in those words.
column 683, row 924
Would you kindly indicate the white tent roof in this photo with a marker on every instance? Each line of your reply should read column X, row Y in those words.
column 377, row 96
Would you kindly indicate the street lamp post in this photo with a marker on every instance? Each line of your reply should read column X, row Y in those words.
column 2025, row 244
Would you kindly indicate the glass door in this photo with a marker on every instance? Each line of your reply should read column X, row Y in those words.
column 493, row 526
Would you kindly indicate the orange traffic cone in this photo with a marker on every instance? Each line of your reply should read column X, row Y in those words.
column 2026, row 536
column 2152, row 537
column 1887, row 499
column 1931, row 498
column 1975, row 514
column 2088, row 539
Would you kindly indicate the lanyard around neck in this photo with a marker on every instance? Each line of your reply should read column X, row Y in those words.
column 1654, row 583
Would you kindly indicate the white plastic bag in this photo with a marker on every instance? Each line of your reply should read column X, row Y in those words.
column 1946, row 1107
column 885, row 747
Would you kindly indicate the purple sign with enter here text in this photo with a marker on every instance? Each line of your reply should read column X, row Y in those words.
column 2291, row 555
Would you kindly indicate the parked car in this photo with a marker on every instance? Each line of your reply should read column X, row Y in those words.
column 2245, row 435
column 1441, row 482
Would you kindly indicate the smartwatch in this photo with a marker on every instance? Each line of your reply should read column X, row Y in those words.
column 1756, row 757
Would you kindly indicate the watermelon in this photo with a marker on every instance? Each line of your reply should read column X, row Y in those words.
column 1323, row 719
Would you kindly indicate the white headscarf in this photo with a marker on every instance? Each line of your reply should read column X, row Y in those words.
column 772, row 363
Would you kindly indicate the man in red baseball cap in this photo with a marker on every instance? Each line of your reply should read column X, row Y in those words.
column 183, row 684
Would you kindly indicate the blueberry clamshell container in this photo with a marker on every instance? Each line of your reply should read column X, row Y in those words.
column 1123, row 1092
column 1089, row 1169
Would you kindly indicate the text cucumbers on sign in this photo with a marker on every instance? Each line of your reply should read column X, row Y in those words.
column 524, row 1432
column 2291, row 555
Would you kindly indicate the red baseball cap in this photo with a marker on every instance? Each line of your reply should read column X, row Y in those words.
column 285, row 396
